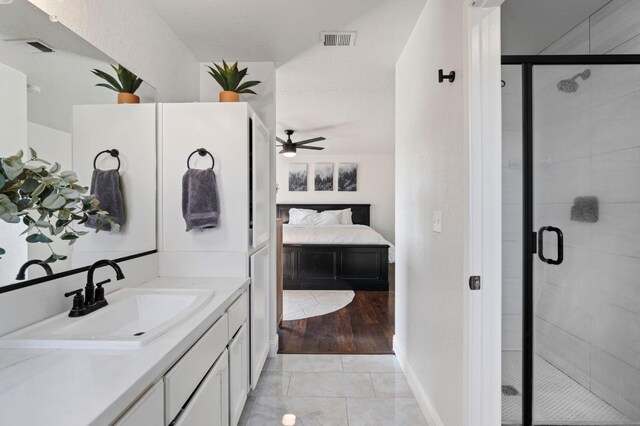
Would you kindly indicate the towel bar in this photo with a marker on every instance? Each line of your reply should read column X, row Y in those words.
column 113, row 152
column 201, row 152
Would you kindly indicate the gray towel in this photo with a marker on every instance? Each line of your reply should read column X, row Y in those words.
column 200, row 207
column 105, row 185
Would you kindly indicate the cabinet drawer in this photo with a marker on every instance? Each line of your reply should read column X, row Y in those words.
column 238, row 313
column 147, row 411
column 209, row 406
column 181, row 381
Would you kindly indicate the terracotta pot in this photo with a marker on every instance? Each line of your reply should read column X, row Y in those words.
column 227, row 96
column 128, row 98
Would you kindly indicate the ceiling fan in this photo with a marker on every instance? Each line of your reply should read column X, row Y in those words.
column 289, row 148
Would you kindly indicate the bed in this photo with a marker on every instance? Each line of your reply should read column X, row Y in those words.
column 334, row 258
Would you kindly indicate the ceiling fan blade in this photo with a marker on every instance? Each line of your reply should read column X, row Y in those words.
column 278, row 146
column 306, row 141
column 317, row 148
column 280, row 140
column 281, row 151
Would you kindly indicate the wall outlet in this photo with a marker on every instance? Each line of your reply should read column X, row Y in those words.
column 437, row 221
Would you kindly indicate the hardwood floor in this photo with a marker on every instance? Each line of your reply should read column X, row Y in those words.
column 365, row 326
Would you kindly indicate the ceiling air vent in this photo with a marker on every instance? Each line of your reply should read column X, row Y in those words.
column 31, row 45
column 338, row 38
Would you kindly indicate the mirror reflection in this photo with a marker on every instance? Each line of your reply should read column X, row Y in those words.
column 78, row 149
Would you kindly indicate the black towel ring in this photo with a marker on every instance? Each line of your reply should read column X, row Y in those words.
column 201, row 152
column 113, row 152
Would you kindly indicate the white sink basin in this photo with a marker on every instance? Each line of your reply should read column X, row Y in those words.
column 132, row 318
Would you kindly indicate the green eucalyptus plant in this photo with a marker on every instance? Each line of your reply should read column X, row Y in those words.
column 46, row 201
column 230, row 77
column 127, row 82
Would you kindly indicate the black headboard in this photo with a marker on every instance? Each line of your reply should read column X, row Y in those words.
column 360, row 213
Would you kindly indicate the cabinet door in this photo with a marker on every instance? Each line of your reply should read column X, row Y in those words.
column 209, row 406
column 238, row 374
column 261, row 182
column 259, row 312
column 147, row 411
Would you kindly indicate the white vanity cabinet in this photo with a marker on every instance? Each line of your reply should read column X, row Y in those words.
column 209, row 405
column 148, row 410
column 208, row 385
column 238, row 374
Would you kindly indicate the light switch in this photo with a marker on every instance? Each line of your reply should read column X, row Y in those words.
column 437, row 221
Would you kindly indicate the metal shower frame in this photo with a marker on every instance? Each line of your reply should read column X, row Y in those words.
column 529, row 244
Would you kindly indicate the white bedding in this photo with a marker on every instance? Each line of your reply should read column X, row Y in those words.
column 340, row 234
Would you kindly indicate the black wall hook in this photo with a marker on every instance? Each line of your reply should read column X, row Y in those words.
column 201, row 152
column 442, row 77
column 113, row 152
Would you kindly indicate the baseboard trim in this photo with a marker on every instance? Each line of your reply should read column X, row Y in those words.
column 274, row 345
column 428, row 410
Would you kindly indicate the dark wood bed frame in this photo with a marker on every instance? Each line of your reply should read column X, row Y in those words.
column 335, row 267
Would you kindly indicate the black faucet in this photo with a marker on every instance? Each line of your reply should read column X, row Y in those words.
column 94, row 293
column 23, row 269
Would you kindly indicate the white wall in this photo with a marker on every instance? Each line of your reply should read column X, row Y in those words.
column 376, row 177
column 136, row 36
column 13, row 137
column 431, row 174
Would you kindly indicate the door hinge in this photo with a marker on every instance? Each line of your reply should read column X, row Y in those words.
column 474, row 282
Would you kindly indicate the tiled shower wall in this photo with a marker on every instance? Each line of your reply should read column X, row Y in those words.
column 587, row 144
column 588, row 308
column 512, row 208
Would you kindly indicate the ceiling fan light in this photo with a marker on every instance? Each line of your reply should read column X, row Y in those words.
column 289, row 150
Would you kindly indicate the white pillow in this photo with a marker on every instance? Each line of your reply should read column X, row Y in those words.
column 296, row 216
column 345, row 216
column 326, row 218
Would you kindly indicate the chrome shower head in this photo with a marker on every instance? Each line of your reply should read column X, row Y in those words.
column 570, row 85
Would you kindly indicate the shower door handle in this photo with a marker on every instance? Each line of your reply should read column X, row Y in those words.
column 558, row 232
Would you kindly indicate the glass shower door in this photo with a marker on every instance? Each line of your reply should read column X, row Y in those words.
column 586, row 261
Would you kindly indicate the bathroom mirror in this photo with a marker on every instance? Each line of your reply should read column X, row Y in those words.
column 49, row 101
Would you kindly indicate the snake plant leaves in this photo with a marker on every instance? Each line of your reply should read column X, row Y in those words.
column 126, row 81
column 229, row 77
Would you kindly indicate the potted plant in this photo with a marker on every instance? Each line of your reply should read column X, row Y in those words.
column 126, row 84
column 47, row 201
column 230, row 78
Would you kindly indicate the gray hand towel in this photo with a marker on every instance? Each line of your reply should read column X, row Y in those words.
column 105, row 185
column 200, row 207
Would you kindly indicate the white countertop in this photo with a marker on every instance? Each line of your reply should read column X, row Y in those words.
column 90, row 386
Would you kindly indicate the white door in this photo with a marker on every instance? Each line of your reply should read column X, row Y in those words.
column 261, row 182
column 209, row 406
column 259, row 312
column 238, row 374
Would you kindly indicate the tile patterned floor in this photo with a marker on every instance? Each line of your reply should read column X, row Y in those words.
column 333, row 390
column 298, row 304
column 559, row 400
